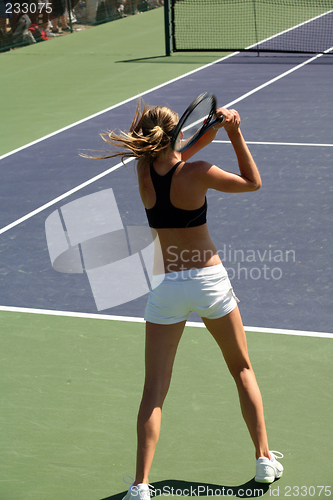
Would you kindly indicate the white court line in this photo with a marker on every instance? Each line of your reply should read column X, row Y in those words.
column 90, row 181
column 258, row 44
column 61, row 197
column 273, row 80
column 116, row 106
column 277, row 331
column 130, row 319
column 280, row 143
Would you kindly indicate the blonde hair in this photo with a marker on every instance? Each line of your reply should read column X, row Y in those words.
column 149, row 134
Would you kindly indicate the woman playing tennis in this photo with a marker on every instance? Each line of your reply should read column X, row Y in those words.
column 173, row 191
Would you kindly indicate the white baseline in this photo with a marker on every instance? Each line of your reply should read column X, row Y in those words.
column 130, row 319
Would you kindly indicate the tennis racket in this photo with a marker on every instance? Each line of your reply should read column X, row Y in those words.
column 199, row 117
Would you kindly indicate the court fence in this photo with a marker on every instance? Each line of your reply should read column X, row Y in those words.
column 25, row 22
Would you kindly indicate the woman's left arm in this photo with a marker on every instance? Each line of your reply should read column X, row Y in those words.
column 206, row 139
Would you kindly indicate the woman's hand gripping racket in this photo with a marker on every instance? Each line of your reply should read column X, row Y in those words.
column 199, row 117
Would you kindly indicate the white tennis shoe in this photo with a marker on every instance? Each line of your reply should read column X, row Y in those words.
column 139, row 492
column 267, row 470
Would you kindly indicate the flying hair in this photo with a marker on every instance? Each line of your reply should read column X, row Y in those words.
column 149, row 134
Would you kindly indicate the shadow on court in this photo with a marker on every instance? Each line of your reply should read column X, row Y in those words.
column 176, row 488
column 163, row 59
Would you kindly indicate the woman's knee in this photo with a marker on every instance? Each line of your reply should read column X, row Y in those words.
column 240, row 371
column 156, row 391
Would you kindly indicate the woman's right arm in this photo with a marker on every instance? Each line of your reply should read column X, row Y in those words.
column 249, row 177
column 247, row 166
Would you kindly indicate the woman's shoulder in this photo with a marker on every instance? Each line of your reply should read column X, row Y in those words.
column 196, row 168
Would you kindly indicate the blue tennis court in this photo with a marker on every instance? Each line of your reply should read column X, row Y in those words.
column 275, row 243
column 70, row 387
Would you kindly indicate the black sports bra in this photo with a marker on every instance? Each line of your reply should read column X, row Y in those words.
column 164, row 214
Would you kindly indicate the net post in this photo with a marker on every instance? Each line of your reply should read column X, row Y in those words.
column 167, row 27
column 255, row 25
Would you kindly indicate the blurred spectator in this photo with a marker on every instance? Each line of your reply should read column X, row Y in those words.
column 3, row 25
column 4, row 16
column 27, row 21
column 58, row 16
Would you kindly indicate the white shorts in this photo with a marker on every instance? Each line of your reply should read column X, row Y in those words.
column 206, row 291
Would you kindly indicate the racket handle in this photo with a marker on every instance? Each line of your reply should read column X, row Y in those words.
column 218, row 119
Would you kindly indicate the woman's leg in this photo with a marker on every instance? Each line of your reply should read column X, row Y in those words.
column 161, row 346
column 228, row 332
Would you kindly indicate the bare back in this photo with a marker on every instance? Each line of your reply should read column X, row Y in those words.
column 182, row 248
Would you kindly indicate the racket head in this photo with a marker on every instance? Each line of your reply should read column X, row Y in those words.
column 195, row 119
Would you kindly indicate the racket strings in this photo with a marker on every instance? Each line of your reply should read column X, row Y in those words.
column 194, row 121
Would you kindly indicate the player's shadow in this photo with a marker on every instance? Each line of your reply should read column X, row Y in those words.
column 176, row 488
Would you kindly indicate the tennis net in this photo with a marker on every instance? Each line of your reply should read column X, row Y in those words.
column 254, row 25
